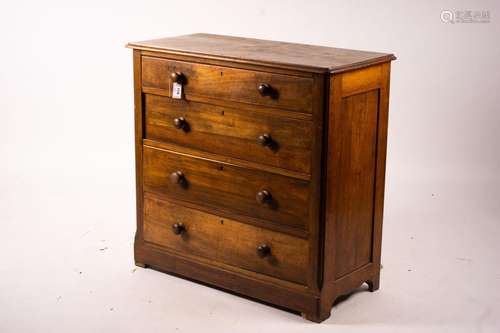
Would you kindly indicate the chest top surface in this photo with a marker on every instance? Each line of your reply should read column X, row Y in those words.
column 312, row 58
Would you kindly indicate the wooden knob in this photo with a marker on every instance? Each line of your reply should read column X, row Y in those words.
column 177, row 177
column 178, row 228
column 265, row 139
column 263, row 250
column 265, row 89
column 177, row 77
column 180, row 123
column 263, row 196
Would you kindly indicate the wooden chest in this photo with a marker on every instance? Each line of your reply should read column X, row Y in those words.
column 260, row 166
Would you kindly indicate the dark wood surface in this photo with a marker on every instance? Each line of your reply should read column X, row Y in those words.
column 224, row 240
column 265, row 53
column 353, row 219
column 357, row 146
column 268, row 289
column 267, row 177
column 138, row 137
column 228, row 186
column 231, row 132
column 238, row 85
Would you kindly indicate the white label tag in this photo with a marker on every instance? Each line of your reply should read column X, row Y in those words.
column 176, row 90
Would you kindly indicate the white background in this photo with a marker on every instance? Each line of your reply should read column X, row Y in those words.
column 67, row 202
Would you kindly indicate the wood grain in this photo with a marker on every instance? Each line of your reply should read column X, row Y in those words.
column 225, row 240
column 225, row 83
column 357, row 148
column 231, row 132
column 357, row 132
column 227, row 186
column 361, row 80
column 225, row 159
column 310, row 58
column 297, row 226
column 383, row 119
column 138, row 137
column 262, row 287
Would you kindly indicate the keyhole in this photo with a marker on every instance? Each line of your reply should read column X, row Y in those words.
column 220, row 167
column 220, row 73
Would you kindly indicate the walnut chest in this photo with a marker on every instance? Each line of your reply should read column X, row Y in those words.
column 260, row 166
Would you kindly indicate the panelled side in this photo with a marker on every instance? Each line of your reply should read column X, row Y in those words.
column 355, row 178
column 355, row 163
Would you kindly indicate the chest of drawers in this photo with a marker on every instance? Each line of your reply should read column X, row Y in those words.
column 260, row 166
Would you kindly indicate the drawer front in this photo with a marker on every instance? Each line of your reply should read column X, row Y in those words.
column 254, row 193
column 225, row 83
column 256, row 137
column 227, row 241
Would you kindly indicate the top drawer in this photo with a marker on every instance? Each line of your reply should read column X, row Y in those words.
column 231, row 84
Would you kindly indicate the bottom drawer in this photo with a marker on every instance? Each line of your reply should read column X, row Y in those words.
column 189, row 231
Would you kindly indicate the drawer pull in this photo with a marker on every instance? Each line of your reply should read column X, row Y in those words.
column 263, row 196
column 177, row 77
column 263, row 250
column 265, row 89
column 180, row 123
column 178, row 228
column 265, row 140
column 177, row 177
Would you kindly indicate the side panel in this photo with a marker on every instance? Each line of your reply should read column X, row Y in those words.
column 356, row 150
column 355, row 162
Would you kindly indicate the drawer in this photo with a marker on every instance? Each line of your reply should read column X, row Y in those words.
column 231, row 84
column 253, row 136
column 254, row 193
column 227, row 241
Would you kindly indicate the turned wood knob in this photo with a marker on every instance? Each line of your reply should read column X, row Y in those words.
column 177, row 177
column 263, row 250
column 265, row 139
column 180, row 122
column 177, row 77
column 178, row 228
column 265, row 89
column 263, row 196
